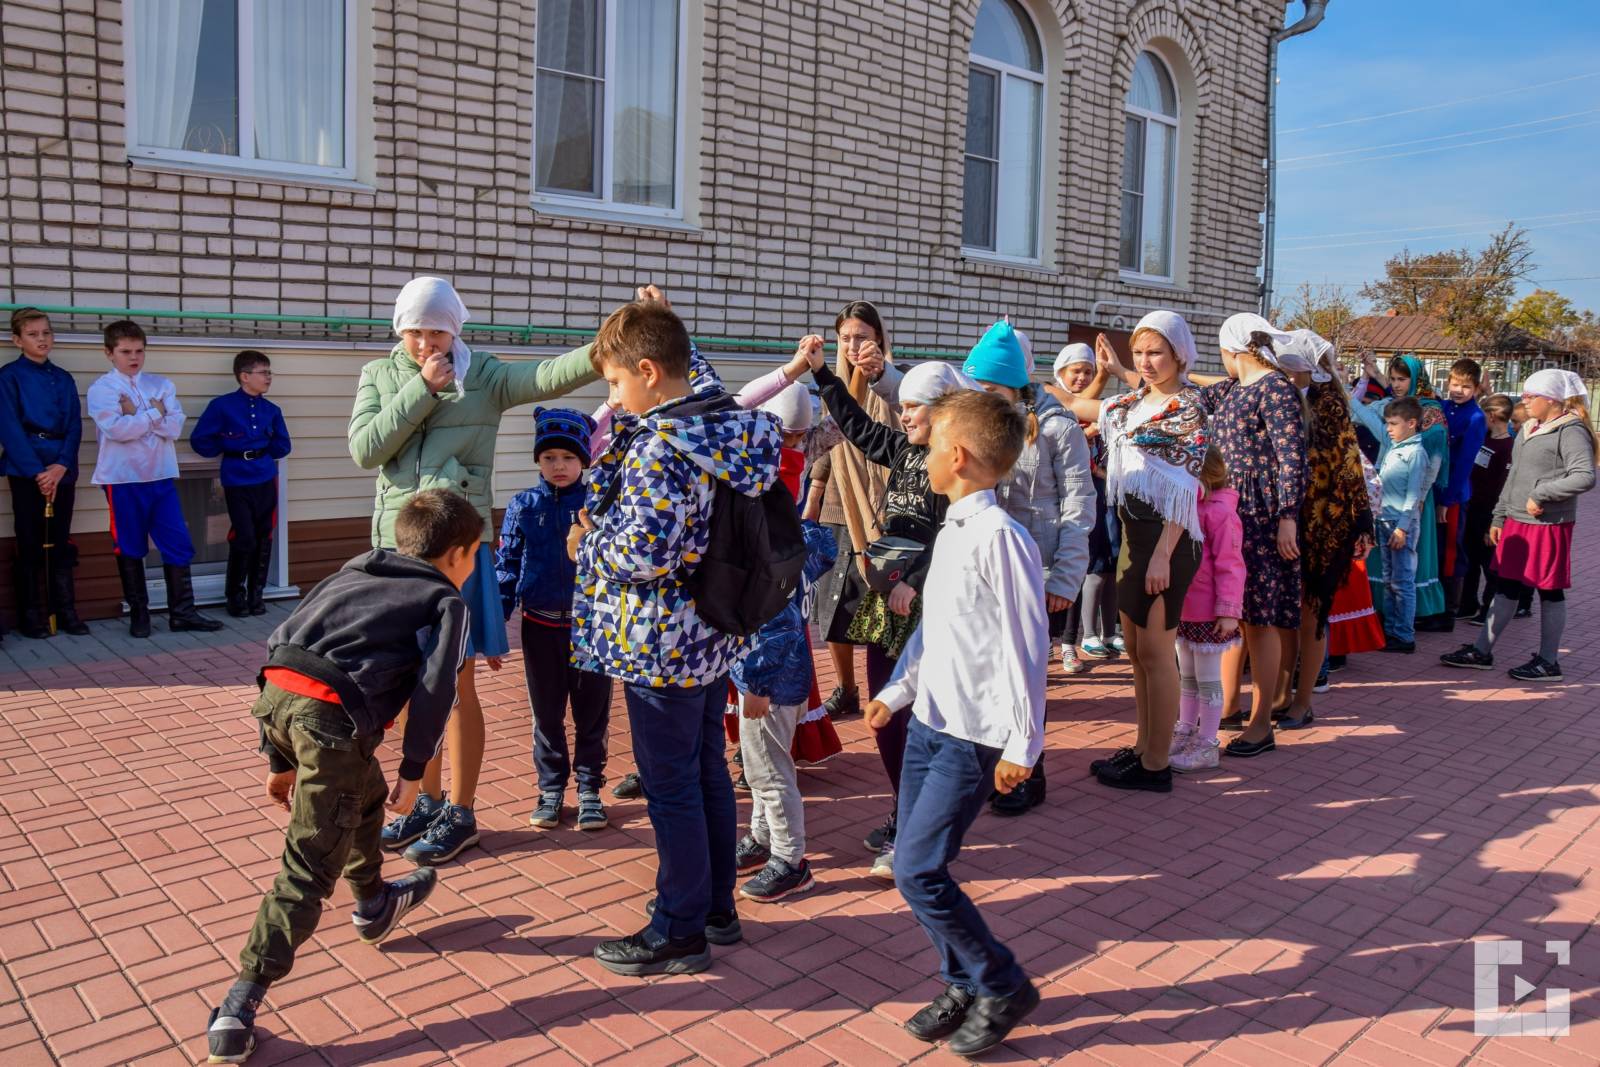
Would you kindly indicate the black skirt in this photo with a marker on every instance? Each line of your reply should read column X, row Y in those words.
column 1141, row 530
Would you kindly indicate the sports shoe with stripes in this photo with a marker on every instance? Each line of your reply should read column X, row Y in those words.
column 398, row 898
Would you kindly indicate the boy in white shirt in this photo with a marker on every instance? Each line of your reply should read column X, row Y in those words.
column 138, row 417
column 973, row 672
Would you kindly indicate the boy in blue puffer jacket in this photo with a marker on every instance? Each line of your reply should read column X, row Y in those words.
column 537, row 578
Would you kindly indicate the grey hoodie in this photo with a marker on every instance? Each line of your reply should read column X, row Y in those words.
column 1551, row 467
column 1051, row 493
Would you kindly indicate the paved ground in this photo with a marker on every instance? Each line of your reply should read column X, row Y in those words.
column 1313, row 906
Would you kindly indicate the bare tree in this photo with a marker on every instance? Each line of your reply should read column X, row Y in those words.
column 1415, row 285
column 1473, row 309
column 1323, row 309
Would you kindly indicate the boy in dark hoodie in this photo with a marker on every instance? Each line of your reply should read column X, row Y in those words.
column 634, row 619
column 386, row 630
column 536, row 577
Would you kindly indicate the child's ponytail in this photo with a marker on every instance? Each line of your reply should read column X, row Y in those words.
column 1030, row 401
column 1579, row 406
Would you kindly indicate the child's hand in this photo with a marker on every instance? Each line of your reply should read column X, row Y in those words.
column 1105, row 357
column 125, row 403
column 1053, row 603
column 1494, row 536
column 901, row 598
column 1007, row 776
column 1158, row 575
column 869, row 361
column 1397, row 540
column 653, row 295
column 579, row 531
column 158, row 405
column 808, row 356
column 1227, row 626
column 1364, row 544
column 403, row 797
column 495, row 662
column 437, row 371
column 1534, row 508
column 1288, row 539
column 877, row 714
column 753, row 707
column 280, row 787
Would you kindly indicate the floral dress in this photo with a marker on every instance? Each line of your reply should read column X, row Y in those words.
column 1260, row 430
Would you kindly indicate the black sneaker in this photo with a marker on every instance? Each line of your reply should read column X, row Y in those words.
column 1537, row 669
column 738, row 755
column 741, row 783
column 1012, row 804
column 547, row 815
column 1321, row 685
column 230, row 1031
column 1336, row 664
column 778, row 880
column 647, row 952
column 750, row 854
column 1137, row 776
column 1119, row 757
column 398, row 898
column 591, row 812
column 990, row 1019
column 1468, row 656
column 1245, row 749
column 942, row 1017
column 400, row 832
column 1392, row 643
column 628, row 789
column 883, row 835
column 722, row 927
column 1524, row 613
column 842, row 705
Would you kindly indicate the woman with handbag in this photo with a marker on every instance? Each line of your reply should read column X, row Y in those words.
column 896, row 563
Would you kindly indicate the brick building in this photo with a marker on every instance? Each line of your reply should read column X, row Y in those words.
column 1069, row 163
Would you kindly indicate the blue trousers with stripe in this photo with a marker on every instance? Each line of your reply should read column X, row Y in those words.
column 142, row 512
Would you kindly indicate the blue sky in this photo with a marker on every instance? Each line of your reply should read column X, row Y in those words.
column 1339, row 223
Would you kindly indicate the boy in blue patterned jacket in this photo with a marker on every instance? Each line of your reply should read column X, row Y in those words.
column 773, row 678
column 535, row 576
column 634, row 620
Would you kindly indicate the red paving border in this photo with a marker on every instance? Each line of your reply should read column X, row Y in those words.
column 1313, row 906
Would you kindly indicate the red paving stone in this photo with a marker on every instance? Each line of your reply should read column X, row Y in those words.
column 1314, row 906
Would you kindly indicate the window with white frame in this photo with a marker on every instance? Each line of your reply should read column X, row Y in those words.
column 258, row 85
column 1005, row 131
column 608, row 104
column 1149, row 170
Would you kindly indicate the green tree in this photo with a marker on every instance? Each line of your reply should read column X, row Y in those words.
column 1544, row 313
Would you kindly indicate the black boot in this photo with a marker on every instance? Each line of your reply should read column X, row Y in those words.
column 134, row 591
column 30, row 606
column 64, row 602
column 260, row 565
column 240, row 563
column 181, row 615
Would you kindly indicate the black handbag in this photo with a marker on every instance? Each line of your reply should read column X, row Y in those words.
column 888, row 561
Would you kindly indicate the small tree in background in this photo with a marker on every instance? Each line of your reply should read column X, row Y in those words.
column 1415, row 285
column 1323, row 309
column 1544, row 313
column 1468, row 292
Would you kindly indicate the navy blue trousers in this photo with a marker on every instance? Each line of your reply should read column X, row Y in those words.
column 142, row 512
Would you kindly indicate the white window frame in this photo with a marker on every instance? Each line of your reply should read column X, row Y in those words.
column 603, row 204
column 245, row 164
column 1002, row 71
column 1176, row 123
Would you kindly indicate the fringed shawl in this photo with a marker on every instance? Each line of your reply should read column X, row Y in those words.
column 1159, row 460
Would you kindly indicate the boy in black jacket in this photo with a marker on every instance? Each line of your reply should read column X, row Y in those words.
column 387, row 630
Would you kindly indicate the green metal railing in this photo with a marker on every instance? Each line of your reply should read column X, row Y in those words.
column 518, row 334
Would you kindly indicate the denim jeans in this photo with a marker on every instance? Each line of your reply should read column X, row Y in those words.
column 943, row 786
column 1400, row 588
column 678, row 746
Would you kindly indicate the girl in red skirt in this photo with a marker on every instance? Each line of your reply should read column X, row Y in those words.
column 1552, row 463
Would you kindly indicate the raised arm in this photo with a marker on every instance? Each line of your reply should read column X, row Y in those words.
column 524, row 383
column 879, row 443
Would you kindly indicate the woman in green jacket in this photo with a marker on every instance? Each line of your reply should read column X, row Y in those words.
column 426, row 417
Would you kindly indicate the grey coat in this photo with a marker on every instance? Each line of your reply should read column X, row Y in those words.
column 1051, row 492
column 1553, row 468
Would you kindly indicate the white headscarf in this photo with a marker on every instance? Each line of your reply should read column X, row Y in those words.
column 1236, row 330
column 1304, row 355
column 428, row 303
column 1077, row 352
column 1556, row 384
column 792, row 407
column 1171, row 325
column 927, row 382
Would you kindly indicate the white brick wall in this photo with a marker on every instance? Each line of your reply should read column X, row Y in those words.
column 828, row 167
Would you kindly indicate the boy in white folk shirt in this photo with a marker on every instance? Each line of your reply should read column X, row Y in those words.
column 973, row 672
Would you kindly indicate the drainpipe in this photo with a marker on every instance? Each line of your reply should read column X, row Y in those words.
column 1312, row 18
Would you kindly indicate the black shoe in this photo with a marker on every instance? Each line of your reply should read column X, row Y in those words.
column 1242, row 748
column 722, row 927
column 1119, row 757
column 628, row 788
column 990, row 1019
column 750, row 854
column 1467, row 611
column 1234, row 721
column 1321, row 685
column 1011, row 804
column 1336, row 664
column 235, row 584
column 647, row 952
column 1394, row 644
column 883, row 835
column 181, row 614
column 64, row 602
column 1136, row 775
column 942, row 1017
column 842, row 705
column 778, row 880
column 1479, row 619
column 741, row 783
column 398, row 898
column 1524, row 613
column 136, row 593
column 1443, row 623
column 257, row 577
column 1537, row 669
column 1279, row 714
column 1468, row 656
column 230, row 1031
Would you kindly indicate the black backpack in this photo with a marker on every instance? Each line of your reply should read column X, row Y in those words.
column 755, row 551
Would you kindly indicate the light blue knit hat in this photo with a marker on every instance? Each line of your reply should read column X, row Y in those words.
column 999, row 358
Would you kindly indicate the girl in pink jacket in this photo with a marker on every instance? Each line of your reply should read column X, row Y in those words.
column 1210, row 621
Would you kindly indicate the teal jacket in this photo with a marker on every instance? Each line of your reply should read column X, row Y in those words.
column 419, row 441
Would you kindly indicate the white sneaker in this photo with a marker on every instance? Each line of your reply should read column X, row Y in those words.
column 1198, row 755
column 883, row 866
column 1070, row 663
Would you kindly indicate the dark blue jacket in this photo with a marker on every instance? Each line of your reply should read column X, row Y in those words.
column 531, row 563
column 41, row 418
column 236, row 424
column 1467, row 428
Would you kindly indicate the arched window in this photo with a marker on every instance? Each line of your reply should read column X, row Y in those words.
column 1005, row 110
column 1149, row 169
